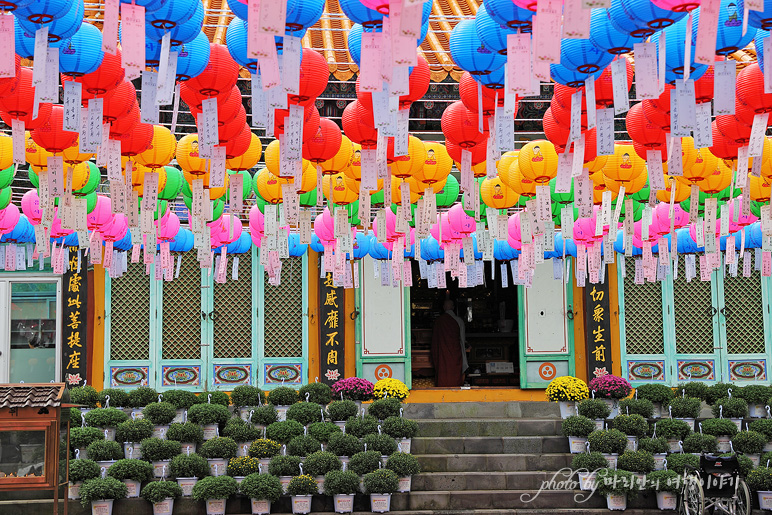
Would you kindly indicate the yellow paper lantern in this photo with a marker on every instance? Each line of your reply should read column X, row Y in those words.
column 268, row 186
column 248, row 159
column 497, row 195
column 760, row 189
column 631, row 187
column 405, row 166
column 521, row 185
column 705, row 163
column 214, row 193
column 339, row 193
column 716, row 181
column 416, row 186
column 624, row 165
column 81, row 173
column 356, row 186
column 6, row 151
column 161, row 150
column 765, row 155
column 438, row 163
column 273, row 162
column 596, row 164
column 396, row 194
column 682, row 191
column 538, row 161
column 188, row 157
column 73, row 155
column 598, row 187
column 343, row 158
column 354, row 170
column 438, row 186
column 138, row 178
column 688, row 156
column 34, row 153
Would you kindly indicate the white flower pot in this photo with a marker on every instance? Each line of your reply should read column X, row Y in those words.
column 340, row 423
column 215, row 506
column 105, row 464
column 755, row 458
column 264, row 462
column 405, row 483
column 757, row 410
column 217, row 466
column 186, row 484
column 132, row 487
column 612, row 460
column 765, row 499
column 73, row 490
column 380, row 503
column 281, row 413
column 673, row 445
column 767, row 447
column 567, row 408
column 301, row 503
column 285, row 481
column 613, row 404
column 343, row 503
column 689, row 421
column 738, row 422
column 82, row 453
column 659, row 461
column 261, row 507
column 616, row 502
column 161, row 469
column 109, row 433
column 210, row 431
column 239, row 479
column 132, row 450
column 320, row 484
column 188, row 447
column 179, row 418
column 244, row 413
column 657, row 411
column 577, row 444
column 242, row 449
column 632, row 443
column 160, row 432
column 723, row 443
column 587, row 480
column 102, row 507
column 600, row 424
column 164, row 507
column 344, row 461
column 667, row 500
column 136, row 414
column 404, row 444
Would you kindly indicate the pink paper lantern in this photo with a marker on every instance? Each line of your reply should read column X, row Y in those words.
column 678, row 6
column 167, row 227
column 30, row 206
column 460, row 221
column 256, row 221
column 101, row 214
column 324, row 227
column 515, row 237
column 56, row 226
column 9, row 217
column 116, row 229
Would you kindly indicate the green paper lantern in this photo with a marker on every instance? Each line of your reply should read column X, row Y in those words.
column 174, row 182
column 449, row 194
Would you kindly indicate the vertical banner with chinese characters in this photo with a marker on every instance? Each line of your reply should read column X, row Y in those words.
column 597, row 329
column 331, row 328
column 74, row 326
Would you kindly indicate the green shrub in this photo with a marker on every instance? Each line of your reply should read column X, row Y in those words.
column 672, row 428
column 243, row 466
column 684, row 407
column 577, row 425
column 102, row 488
column 381, row 481
column 655, row 393
column 221, row 398
column 320, row 463
column 744, row 462
column 664, row 481
column 180, row 399
column 142, row 396
column 215, row 487
column 610, row 482
column 719, row 391
column 338, row 482
column 303, row 445
column 247, row 395
column 342, row 410
column 642, row 407
column 694, row 389
column 261, row 486
column 763, row 426
column 636, row 461
column 719, row 427
column 589, row 461
column 81, row 470
column 283, row 396
column 81, row 437
column 207, row 414
column 284, row 431
column 155, row 449
column 656, row 445
column 158, row 491
column 76, row 417
column 264, row 448
column 135, row 470
column 104, row 450
column 730, row 408
column 322, row 430
column 187, row 432
column 403, row 464
column 699, row 443
column 265, row 415
column 219, row 447
column 134, row 430
column 631, row 425
column 749, row 442
column 766, row 458
column 593, row 409
column 85, row 396
column 395, row 427
column 188, row 465
column 318, row 393
column 609, row 441
column 760, row 479
column 384, row 408
column 105, row 417
column 118, row 398
column 382, row 443
column 678, row 461
column 160, row 413
column 284, row 466
column 342, row 444
column 241, row 431
column 305, row 412
column 364, row 462
column 754, row 393
column 302, row 485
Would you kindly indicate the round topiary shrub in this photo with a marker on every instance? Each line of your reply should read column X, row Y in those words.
column 641, row 462
column 186, row 432
column 284, row 466
column 323, row 430
column 656, row 445
column 700, row 442
column 318, row 393
column 340, row 411
column 403, row 464
column 365, row 462
column 264, row 448
column 85, row 396
column 118, row 398
column 188, row 465
column 385, row 408
column 81, row 437
column 594, row 409
column 134, row 430
column 241, row 431
column 155, row 449
column 303, row 445
column 265, row 415
column 578, row 426
column 283, row 396
column 104, row 450
column 642, row 407
column 105, row 417
column 694, row 389
column 305, row 412
column 631, row 425
column 655, row 393
column 610, row 441
column 208, row 414
column 262, row 487
column 730, row 408
column 247, row 395
column 362, row 426
column 398, row 427
column 181, row 399
column 342, row 444
column 160, row 413
column 215, row 487
column 320, row 463
column 135, row 470
column 382, row 443
column 81, row 470
column 284, row 431
column 142, row 396
column 219, row 447
column 158, row 491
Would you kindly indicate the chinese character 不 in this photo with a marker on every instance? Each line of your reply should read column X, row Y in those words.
column 600, row 353
column 74, row 286
column 332, row 320
column 597, row 314
column 332, row 299
column 598, row 332
column 331, row 339
column 332, row 357
column 74, row 360
column 596, row 295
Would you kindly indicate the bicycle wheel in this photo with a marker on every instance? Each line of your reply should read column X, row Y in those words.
column 692, row 496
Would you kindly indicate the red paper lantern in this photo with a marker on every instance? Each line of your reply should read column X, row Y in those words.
column 563, row 114
column 641, row 150
column 491, row 97
column 663, row 101
column 120, row 103
column 556, row 133
column 641, row 129
column 20, row 104
column 239, row 144
column 750, row 89
column 138, row 140
column 723, row 147
column 734, row 129
column 227, row 106
column 8, row 85
column 232, row 129
column 314, row 73
column 703, row 87
column 324, row 145
column 105, row 78
column 604, row 88
column 51, row 136
column 125, row 124
column 479, row 151
column 460, row 126
column 418, row 82
column 562, row 96
column 358, row 125
column 219, row 76
column 310, row 121
column 656, row 117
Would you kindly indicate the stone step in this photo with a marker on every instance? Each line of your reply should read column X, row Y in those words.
column 489, row 427
column 521, row 480
column 508, row 499
column 477, row 410
column 492, row 462
column 489, row 444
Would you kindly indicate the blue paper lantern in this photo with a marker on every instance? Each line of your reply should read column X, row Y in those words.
column 12, row 5
column 236, row 40
column 558, row 247
column 758, row 42
column 42, row 12
column 302, row 14
column 193, row 57
column 360, row 14
column 316, row 244
column 477, row 254
column 181, row 33
column 469, row 53
column 492, row 33
column 240, row 9
column 183, row 241
column 506, row 12
column 362, row 243
column 582, row 56
column 152, row 49
column 753, row 236
column 242, row 245
column 641, row 18
column 149, row 5
column 674, row 57
column 494, row 79
column 24, row 41
column 379, row 251
column 430, row 250
column 171, row 14
column 604, row 35
column 730, row 37
column 758, row 19
column 296, row 249
column 279, row 41
column 82, row 53
column 571, row 78
column 64, row 25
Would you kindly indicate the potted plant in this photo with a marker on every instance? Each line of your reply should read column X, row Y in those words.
column 722, row 428
column 100, row 494
column 215, row 491
column 80, row 471
column 305, row 412
column 243, row 433
column 323, row 430
column 245, row 397
column 756, row 396
column 695, row 389
column 187, row 469
column 611, row 389
column 658, row 447
column 385, row 408
column 642, row 407
column 365, row 462
column 745, row 464
column 404, row 465
column 673, row 430
column 341, row 485
column 191, row 435
column 680, row 460
column 658, row 394
column 718, row 391
column 132, row 472
column 81, row 438
column 182, row 400
column 106, row 419
column 567, row 391
column 586, row 465
column 577, row 428
column 616, row 486
column 161, row 494
column 242, row 466
column 104, row 452
column 318, row 393
column 733, row 408
column 340, row 411
column 159, row 453
column 380, row 484
column 283, row 397
column 112, row 398
column 353, row 389
column 284, row 431
column 760, row 481
column 763, row 426
column 342, row 444
column 131, row 433
column 141, row 397
column 401, row 429
column 264, row 449
column 218, row 451
column 637, row 462
column 594, row 409
column 216, row 397
column 381, row 442
column 390, row 387
column 362, row 426
column 667, row 485
column 262, row 490
column 161, row 414
column 749, row 443
column 284, row 467
column 85, row 396
column 303, row 445
column 634, row 426
column 610, row 442
column 301, row 488
column 684, row 408
column 210, row 416
column 319, row 463
column 263, row 416
column 698, row 443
